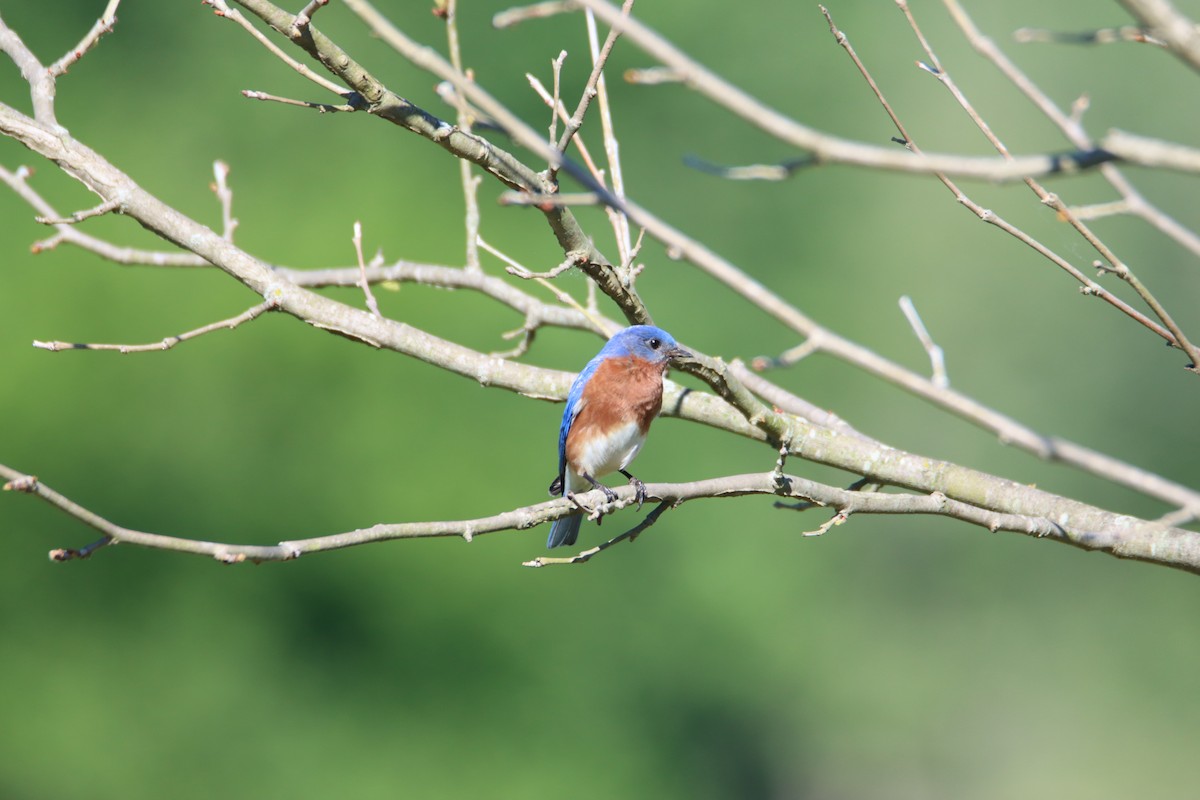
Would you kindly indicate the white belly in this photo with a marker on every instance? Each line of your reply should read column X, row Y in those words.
column 605, row 454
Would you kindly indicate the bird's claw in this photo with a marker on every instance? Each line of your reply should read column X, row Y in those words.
column 639, row 491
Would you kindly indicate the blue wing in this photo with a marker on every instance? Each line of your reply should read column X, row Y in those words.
column 574, row 404
column 565, row 530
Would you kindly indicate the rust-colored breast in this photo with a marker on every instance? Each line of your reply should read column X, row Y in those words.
column 622, row 390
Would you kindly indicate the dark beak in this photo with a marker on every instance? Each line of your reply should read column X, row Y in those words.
column 676, row 353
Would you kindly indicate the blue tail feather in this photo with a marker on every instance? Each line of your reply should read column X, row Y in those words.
column 564, row 531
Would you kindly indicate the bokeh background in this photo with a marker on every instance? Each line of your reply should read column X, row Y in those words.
column 724, row 655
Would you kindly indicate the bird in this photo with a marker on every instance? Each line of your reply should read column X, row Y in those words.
column 609, row 410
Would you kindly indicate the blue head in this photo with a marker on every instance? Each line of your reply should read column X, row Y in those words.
column 645, row 342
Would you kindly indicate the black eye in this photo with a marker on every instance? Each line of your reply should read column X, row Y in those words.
column 654, row 344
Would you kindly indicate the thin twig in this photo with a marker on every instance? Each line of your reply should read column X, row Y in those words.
column 103, row 26
column 167, row 343
column 556, row 66
column 69, row 554
column 632, row 269
column 1179, row 517
column 593, row 169
column 304, row 18
column 549, row 8
column 79, row 216
column 452, row 278
column 751, row 172
column 521, row 272
column 222, row 9
column 18, row 181
column 937, row 357
column 1125, row 33
column 527, row 332
column 592, row 88
column 652, row 76
column 597, row 322
column 465, row 116
column 790, row 403
column 1099, row 210
column 586, row 555
column 364, row 284
column 835, row 520
column 596, row 82
column 565, row 199
column 324, row 108
column 225, row 198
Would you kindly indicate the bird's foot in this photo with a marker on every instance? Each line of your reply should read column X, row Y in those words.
column 639, row 489
column 609, row 494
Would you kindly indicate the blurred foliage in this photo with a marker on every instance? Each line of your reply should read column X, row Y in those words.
column 723, row 655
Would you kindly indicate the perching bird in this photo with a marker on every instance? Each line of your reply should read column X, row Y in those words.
column 609, row 410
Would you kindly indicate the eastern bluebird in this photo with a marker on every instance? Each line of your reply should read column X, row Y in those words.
column 609, row 410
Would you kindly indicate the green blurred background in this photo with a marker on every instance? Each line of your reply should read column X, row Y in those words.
column 722, row 656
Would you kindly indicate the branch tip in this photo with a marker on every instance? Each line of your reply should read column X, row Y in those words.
column 80, row 216
column 26, row 483
column 302, row 21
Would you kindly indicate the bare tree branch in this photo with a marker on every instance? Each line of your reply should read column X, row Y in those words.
column 1126, row 33
column 1131, row 539
column 1071, row 127
column 385, row 104
column 222, row 9
column 586, row 555
column 519, row 14
column 937, row 357
column 831, row 149
column 103, row 26
column 18, row 182
column 736, row 406
column 1165, row 22
column 166, row 344
column 1155, row 152
column 1169, row 330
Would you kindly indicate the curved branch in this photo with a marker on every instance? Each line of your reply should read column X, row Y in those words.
column 831, row 149
column 448, row 278
column 1139, row 540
